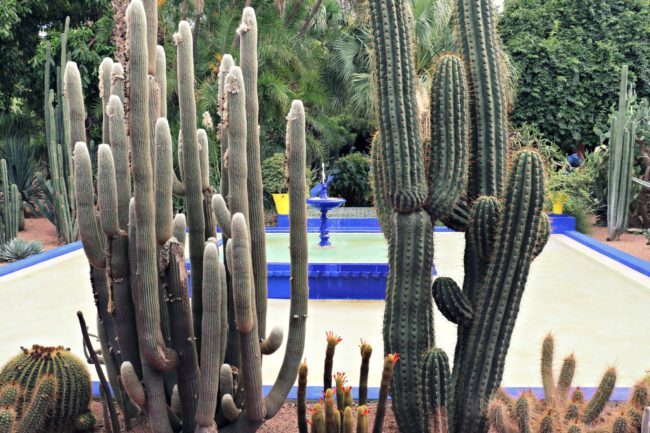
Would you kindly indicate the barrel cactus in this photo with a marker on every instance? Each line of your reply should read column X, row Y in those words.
column 462, row 176
column 188, row 365
column 45, row 389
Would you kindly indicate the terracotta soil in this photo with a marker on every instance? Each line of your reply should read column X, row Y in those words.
column 633, row 244
column 39, row 229
column 284, row 422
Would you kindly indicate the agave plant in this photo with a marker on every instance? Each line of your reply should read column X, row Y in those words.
column 18, row 249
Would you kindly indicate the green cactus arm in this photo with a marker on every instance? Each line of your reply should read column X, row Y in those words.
column 451, row 302
column 222, row 214
column 107, row 191
column 381, row 199
column 435, row 388
column 227, row 62
column 117, row 82
column 210, row 370
column 396, row 105
column 226, row 384
column 229, row 408
column 366, row 353
column 481, row 367
column 164, row 182
column 161, row 78
column 105, row 69
column 446, row 156
column 132, row 385
column 330, row 350
column 348, row 421
column 302, row 397
column 46, row 99
column 523, row 414
column 247, row 32
column 547, row 370
column 156, row 405
column 158, row 356
column 224, row 314
column 237, row 158
column 273, row 341
column 458, row 218
column 408, row 315
column 296, row 157
column 92, row 240
column 204, row 157
column 621, row 151
column 151, row 13
column 362, row 419
column 191, row 168
column 332, row 416
column 76, row 110
column 386, row 378
column 120, row 148
column 600, row 398
column 497, row 418
column 178, row 228
column 566, row 377
column 488, row 113
column 182, row 332
column 339, row 391
column 251, row 367
column 544, row 235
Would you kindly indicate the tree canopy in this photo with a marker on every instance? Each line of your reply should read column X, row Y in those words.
column 569, row 54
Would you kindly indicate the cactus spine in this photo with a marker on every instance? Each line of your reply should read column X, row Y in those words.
column 502, row 240
column 45, row 389
column 621, row 160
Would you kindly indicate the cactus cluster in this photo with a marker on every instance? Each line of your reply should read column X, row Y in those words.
column 189, row 366
column 58, row 190
column 11, row 206
column 462, row 178
column 622, row 141
column 45, row 389
column 334, row 413
column 563, row 410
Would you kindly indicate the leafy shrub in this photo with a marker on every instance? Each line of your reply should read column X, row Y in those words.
column 351, row 179
column 273, row 175
column 18, row 249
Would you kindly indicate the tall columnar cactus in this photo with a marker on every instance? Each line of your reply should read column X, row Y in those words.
column 149, row 329
column 11, row 206
column 502, row 238
column 45, row 389
column 622, row 140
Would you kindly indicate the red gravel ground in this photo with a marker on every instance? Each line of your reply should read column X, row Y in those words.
column 284, row 422
column 636, row 245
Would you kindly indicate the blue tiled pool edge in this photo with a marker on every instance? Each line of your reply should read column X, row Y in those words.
column 316, row 392
column 624, row 258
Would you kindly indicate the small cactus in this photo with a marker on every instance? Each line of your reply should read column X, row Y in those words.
column 45, row 389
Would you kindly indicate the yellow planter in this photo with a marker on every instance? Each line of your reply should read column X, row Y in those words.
column 281, row 203
column 558, row 208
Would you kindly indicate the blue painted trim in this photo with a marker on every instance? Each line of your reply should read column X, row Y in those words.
column 316, row 392
column 39, row 258
column 626, row 259
column 358, row 281
column 559, row 225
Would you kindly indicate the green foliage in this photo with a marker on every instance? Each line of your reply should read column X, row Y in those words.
column 351, row 179
column 18, row 249
column 568, row 54
column 22, row 25
column 273, row 175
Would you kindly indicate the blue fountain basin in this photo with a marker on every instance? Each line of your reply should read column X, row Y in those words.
column 325, row 204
